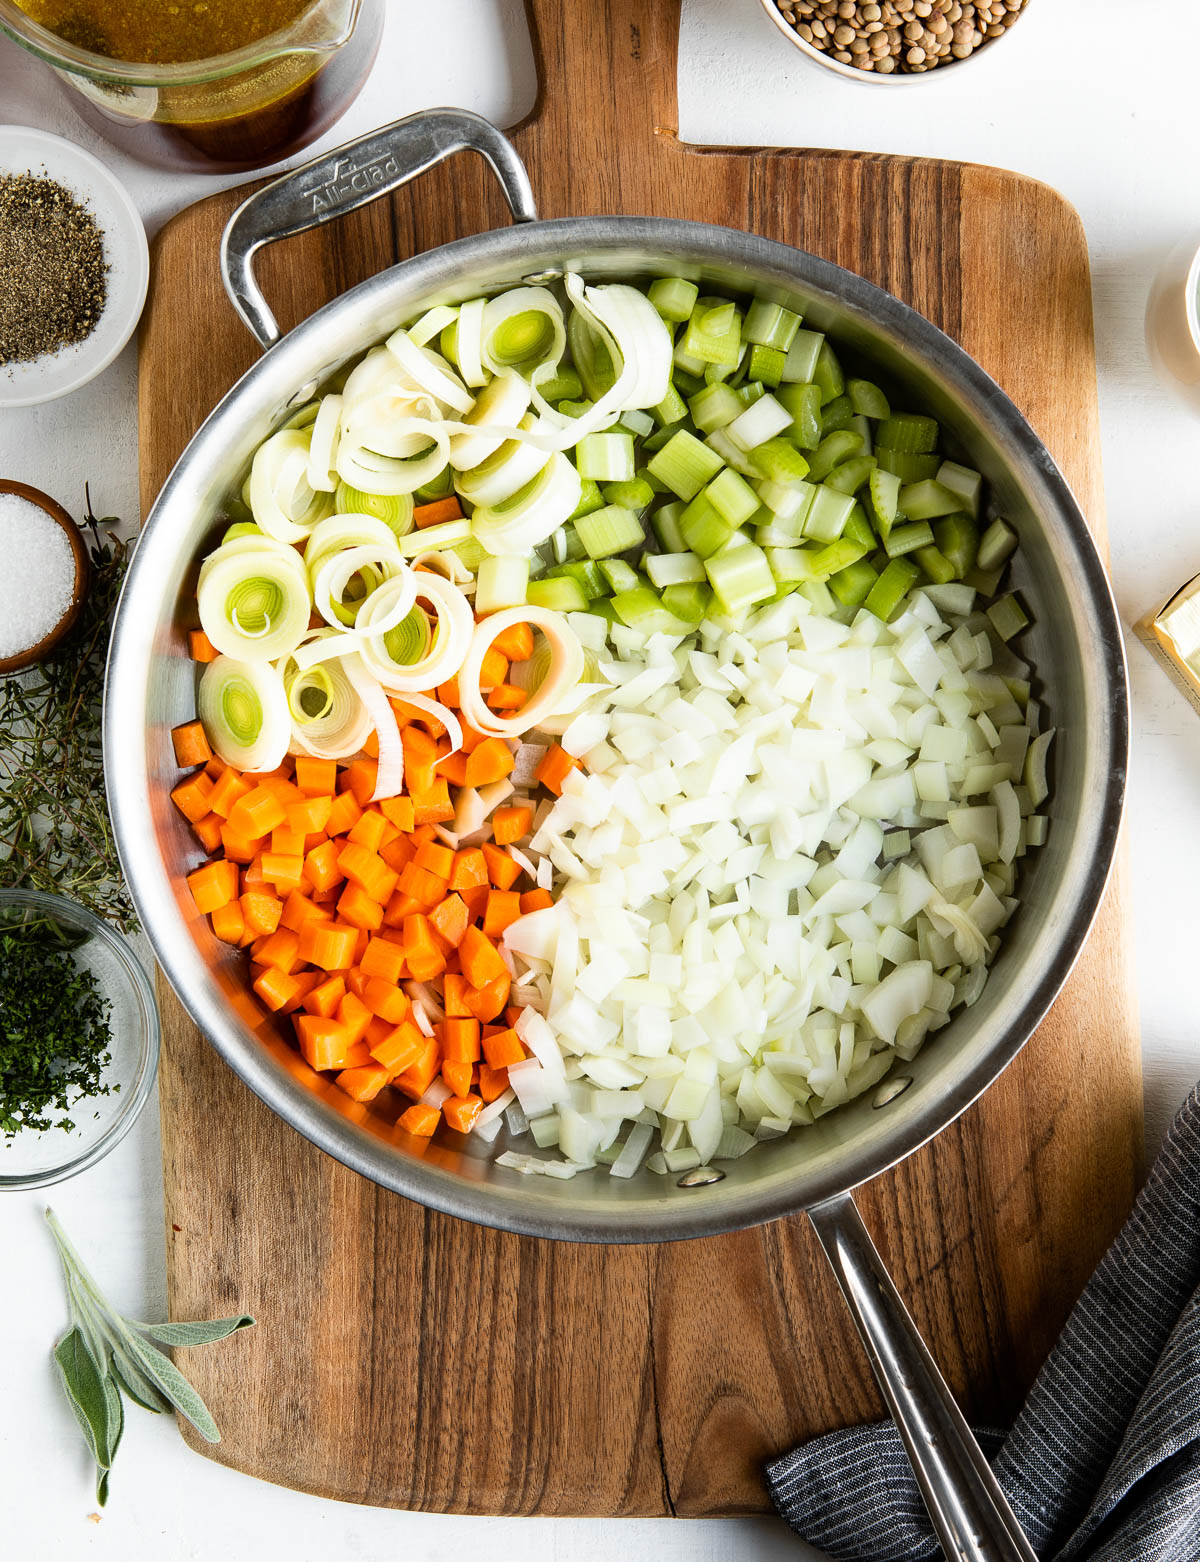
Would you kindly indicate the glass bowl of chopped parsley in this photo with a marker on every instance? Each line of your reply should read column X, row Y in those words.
column 78, row 1038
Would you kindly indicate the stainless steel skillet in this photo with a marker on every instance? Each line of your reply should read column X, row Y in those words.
column 1075, row 645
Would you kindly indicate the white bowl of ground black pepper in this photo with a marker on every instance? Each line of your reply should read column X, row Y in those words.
column 74, row 267
column 892, row 41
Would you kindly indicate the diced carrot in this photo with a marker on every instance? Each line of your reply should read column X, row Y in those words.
column 200, row 647
column 286, row 842
column 399, row 810
column 475, row 900
column 305, row 982
column 193, row 797
column 276, row 988
column 208, row 831
column 457, row 1076
column 400, row 1048
column 438, row 510
column 360, row 909
column 216, row 884
column 493, row 1082
column 423, row 886
column 480, row 959
column 398, row 853
column 460, row 1039
column 420, row 756
column 325, row 997
column 401, row 906
column 377, row 1030
column 310, row 815
column 447, row 693
column 364, row 1083
column 493, row 669
column 191, row 745
column 384, row 958
column 502, row 870
column 503, row 1048
column 257, row 813
column 386, row 1000
column 491, row 761
column 515, row 642
column 216, row 768
column 297, row 909
column 228, row 923
column 354, row 1015
column 421, row 1121
column 435, row 858
column 281, row 868
column 449, row 919
column 416, row 1079
column 506, row 696
column 280, row 949
column 360, row 778
column 316, row 777
column 280, row 784
column 321, row 867
column 369, row 871
column 510, row 824
column 460, row 1112
column 421, row 954
column 453, row 989
column 433, row 806
column 327, row 944
column 470, row 869
column 261, row 912
column 369, row 830
column 454, row 768
column 228, row 790
column 344, row 814
column 556, row 765
column 471, row 739
column 503, row 909
column 370, row 746
column 324, row 1044
column 485, row 1003
column 535, row 900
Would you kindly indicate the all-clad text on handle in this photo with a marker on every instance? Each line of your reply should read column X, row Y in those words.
column 348, row 178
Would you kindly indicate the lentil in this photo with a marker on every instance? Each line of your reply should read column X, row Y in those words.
column 910, row 36
column 53, row 274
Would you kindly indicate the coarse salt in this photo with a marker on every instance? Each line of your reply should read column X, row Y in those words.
column 37, row 582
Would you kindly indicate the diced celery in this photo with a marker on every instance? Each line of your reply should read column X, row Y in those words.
column 865, row 430
column 852, row 585
column 985, row 581
column 776, row 535
column 584, row 572
column 926, row 501
column 559, row 593
column 869, row 401
column 635, row 494
column 908, row 468
column 957, row 537
column 501, row 582
column 909, row 431
column 963, row 481
column 839, row 413
column 1008, row 616
column 563, row 385
column 779, row 461
column 671, row 409
column 996, row 546
column 730, row 452
column 703, row 528
column 858, row 528
column 935, row 564
column 828, row 374
column 620, row 575
column 658, row 439
column 770, row 325
column 762, row 421
column 750, row 392
column 673, row 297
column 889, row 591
column 687, row 381
column 714, row 373
column 804, row 404
column 792, row 565
column 636, row 422
column 685, row 465
column 687, row 364
column 714, row 332
column 788, row 502
column 885, row 498
column 740, row 577
column 665, row 521
column 575, row 409
column 674, row 569
column 833, row 449
column 828, row 514
column 715, row 406
column 590, row 499
column 610, row 530
column 837, row 556
column 907, row 538
column 849, row 476
column 766, row 364
column 732, row 497
column 800, row 366
column 819, row 595
column 641, row 608
column 605, row 458
column 689, row 602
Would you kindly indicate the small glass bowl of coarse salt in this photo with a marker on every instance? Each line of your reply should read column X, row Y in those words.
column 44, row 578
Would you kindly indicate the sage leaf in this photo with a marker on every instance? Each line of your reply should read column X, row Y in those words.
column 135, row 1384
column 167, row 1377
column 83, row 1384
column 195, row 1333
column 102, row 1489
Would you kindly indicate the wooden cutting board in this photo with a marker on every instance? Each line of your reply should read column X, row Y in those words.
column 406, row 1359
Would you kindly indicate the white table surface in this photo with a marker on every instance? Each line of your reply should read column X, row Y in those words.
column 1118, row 135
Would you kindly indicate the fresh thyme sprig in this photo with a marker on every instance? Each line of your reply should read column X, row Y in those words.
column 55, row 833
column 104, row 1354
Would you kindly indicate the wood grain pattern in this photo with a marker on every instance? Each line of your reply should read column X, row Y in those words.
column 406, row 1359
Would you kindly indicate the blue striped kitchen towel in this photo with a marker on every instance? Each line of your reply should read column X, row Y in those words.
column 1103, row 1462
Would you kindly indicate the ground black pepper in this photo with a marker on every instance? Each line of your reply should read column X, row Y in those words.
column 53, row 274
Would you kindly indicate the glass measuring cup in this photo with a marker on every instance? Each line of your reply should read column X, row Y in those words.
column 243, row 109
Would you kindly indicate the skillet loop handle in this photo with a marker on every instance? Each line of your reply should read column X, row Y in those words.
column 352, row 176
column 970, row 1513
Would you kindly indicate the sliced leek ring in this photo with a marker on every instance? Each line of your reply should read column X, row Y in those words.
column 281, row 498
column 564, row 673
column 529, row 516
column 254, row 599
column 504, row 400
column 244, row 711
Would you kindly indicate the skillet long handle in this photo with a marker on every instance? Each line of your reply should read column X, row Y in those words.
column 970, row 1514
column 352, row 176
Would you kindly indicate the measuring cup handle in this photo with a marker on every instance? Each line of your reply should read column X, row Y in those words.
column 352, row 176
column 970, row 1513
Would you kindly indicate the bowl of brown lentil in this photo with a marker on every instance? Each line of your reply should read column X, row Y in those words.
column 893, row 40
column 74, row 266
